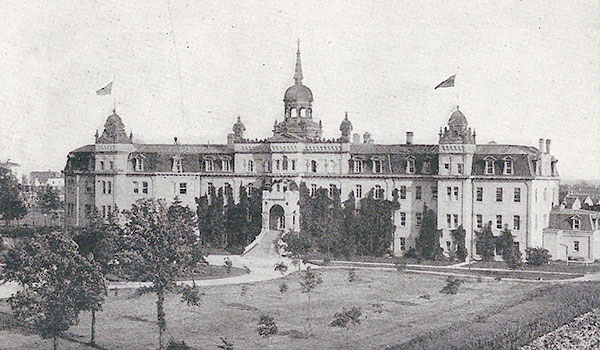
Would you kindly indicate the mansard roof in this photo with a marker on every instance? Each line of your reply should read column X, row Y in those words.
column 493, row 148
column 561, row 219
column 183, row 149
column 371, row 148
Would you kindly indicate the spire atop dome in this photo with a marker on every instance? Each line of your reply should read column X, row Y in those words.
column 298, row 73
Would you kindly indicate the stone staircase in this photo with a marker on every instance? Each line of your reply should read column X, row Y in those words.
column 262, row 246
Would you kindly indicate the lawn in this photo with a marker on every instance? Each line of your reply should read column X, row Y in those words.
column 553, row 266
column 395, row 314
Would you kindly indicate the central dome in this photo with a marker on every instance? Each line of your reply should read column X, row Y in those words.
column 457, row 118
column 298, row 92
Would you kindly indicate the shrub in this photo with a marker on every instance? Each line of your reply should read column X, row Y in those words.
column 352, row 275
column 400, row 263
column 425, row 297
column 537, row 256
column 452, row 284
column 175, row 345
column 228, row 264
column 281, row 267
column 411, row 254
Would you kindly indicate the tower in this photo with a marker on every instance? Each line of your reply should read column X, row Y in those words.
column 297, row 102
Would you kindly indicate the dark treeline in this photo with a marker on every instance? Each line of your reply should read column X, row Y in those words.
column 223, row 223
column 333, row 227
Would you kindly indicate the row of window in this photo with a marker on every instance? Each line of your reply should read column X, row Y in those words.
column 107, row 187
column 499, row 222
column 402, row 219
column 499, row 194
column 490, row 166
column 111, row 165
column 377, row 166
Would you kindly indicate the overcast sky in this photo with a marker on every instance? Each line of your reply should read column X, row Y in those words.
column 526, row 70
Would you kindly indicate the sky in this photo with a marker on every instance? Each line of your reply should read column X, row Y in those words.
column 525, row 70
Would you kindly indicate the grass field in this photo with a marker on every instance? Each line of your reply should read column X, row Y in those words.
column 395, row 314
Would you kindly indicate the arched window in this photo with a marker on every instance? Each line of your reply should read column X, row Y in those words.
column 508, row 166
column 285, row 163
column 410, row 165
column 139, row 163
column 313, row 166
column 490, row 168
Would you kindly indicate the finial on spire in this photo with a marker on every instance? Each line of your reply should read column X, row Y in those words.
column 298, row 73
column 346, row 114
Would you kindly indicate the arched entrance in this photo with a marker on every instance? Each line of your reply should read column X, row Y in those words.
column 276, row 218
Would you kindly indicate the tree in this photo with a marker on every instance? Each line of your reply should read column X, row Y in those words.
column 12, row 206
column 49, row 201
column 375, row 229
column 159, row 245
column 346, row 318
column 458, row 236
column 267, row 327
column 510, row 253
column 428, row 241
column 537, row 256
column 349, row 223
column 98, row 242
column 486, row 243
column 57, row 283
column 308, row 282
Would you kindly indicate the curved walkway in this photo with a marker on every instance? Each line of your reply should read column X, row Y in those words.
column 260, row 269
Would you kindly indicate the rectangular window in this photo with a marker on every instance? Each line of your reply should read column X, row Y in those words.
column 378, row 192
column 498, row 194
column 517, row 194
column 479, row 221
column 145, row 187
column 460, row 168
column 109, row 190
column 251, row 166
column 479, row 194
column 576, row 224
column 104, row 211
column 402, row 192
column 434, row 191
column 225, row 165
column 313, row 189
column 377, row 166
column 111, row 164
column 517, row 222
column 402, row 219
column 418, row 192
column 277, row 164
column 576, row 246
column 358, row 166
column 183, row 188
column 209, row 165
column 455, row 193
column 425, row 169
column 508, row 167
column 104, row 187
column 449, row 220
column 489, row 167
column 284, row 164
column 332, row 190
column 449, row 192
column 108, row 210
column 293, row 164
column 455, row 217
column 101, row 165
column 499, row 222
column 402, row 243
column 136, row 188
column 358, row 191
column 419, row 217
column 447, row 166
column 410, row 166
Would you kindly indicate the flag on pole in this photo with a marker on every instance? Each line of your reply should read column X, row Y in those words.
column 446, row 83
column 105, row 90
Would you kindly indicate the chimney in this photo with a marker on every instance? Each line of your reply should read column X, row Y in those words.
column 356, row 138
column 548, row 141
column 541, row 146
column 367, row 138
column 409, row 137
column 230, row 139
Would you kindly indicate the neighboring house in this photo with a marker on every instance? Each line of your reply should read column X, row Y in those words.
column 465, row 183
column 577, row 201
column 573, row 234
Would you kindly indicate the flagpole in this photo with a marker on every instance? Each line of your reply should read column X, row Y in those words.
column 457, row 104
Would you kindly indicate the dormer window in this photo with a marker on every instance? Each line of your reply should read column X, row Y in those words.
column 209, row 165
column 225, row 165
column 410, row 166
column 490, row 166
column 377, row 166
column 508, row 166
column 139, row 163
column 425, row 169
column 576, row 222
column 358, row 165
column 177, row 168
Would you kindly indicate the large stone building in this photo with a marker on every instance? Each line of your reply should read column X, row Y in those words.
column 464, row 183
